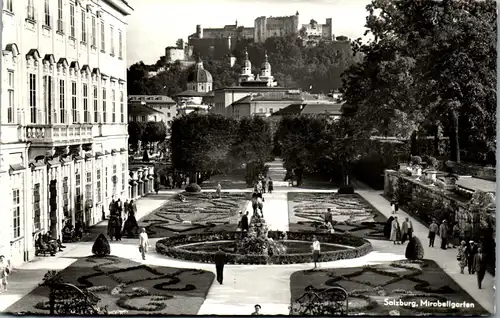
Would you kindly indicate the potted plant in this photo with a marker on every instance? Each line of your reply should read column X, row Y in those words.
column 431, row 171
column 416, row 162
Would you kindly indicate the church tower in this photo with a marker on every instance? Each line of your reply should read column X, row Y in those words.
column 246, row 71
column 265, row 72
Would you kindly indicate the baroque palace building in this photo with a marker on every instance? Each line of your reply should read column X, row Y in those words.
column 63, row 121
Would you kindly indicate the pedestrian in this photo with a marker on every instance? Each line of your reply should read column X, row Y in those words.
column 479, row 266
column 119, row 207
column 257, row 310
column 456, row 235
column 433, row 229
column 462, row 256
column 112, row 225
column 259, row 187
column 328, row 216
column 220, row 261
column 329, row 227
column 270, row 187
column 468, row 231
column 143, row 243
column 472, row 250
column 118, row 231
column 218, row 190
column 125, row 207
column 404, row 231
column 254, row 203
column 410, row 228
column 264, row 185
column 112, row 206
column 388, row 227
column 394, row 206
column 5, row 269
column 157, row 187
column 244, row 222
column 260, row 204
column 316, row 251
column 395, row 229
column 443, row 233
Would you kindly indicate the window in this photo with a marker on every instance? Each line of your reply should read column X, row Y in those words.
column 120, row 44
column 261, row 110
column 72, row 20
column 123, row 177
column 114, row 170
column 60, row 24
column 112, row 39
column 78, row 192
column 113, row 105
column 32, row 97
column 36, row 207
column 168, row 115
column 103, row 37
column 47, row 97
column 62, row 103
column 106, row 182
column 16, row 211
column 84, row 26
column 88, row 187
column 98, row 185
column 10, row 106
column 122, row 109
column 96, row 104
column 143, row 118
column 94, row 31
column 8, row 5
column 65, row 197
column 86, row 113
column 155, row 118
column 104, row 119
column 30, row 13
column 74, row 108
column 47, row 13
column 271, row 110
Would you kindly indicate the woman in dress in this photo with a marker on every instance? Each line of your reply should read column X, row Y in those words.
column 462, row 256
column 456, row 235
column 394, row 231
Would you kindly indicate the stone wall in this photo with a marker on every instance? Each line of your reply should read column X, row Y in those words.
column 466, row 169
column 429, row 201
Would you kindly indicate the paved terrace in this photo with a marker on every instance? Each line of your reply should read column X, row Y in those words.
column 246, row 285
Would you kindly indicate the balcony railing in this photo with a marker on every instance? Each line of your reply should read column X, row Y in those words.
column 60, row 134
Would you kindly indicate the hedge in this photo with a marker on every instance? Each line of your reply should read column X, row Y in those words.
column 167, row 246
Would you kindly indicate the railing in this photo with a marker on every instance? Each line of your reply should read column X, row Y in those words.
column 58, row 133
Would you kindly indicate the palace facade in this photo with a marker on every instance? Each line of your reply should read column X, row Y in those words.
column 63, row 121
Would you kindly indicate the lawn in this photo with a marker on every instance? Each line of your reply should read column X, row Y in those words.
column 372, row 288
column 351, row 214
column 201, row 212
column 127, row 286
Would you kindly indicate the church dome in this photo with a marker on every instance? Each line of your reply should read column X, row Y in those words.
column 248, row 64
column 266, row 65
column 200, row 75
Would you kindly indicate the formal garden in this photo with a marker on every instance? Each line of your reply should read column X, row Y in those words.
column 198, row 212
column 351, row 214
column 122, row 286
column 377, row 289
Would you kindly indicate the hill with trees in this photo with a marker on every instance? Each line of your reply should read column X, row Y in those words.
column 293, row 65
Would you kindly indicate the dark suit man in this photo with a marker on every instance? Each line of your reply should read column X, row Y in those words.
column 244, row 222
column 480, row 266
column 220, row 261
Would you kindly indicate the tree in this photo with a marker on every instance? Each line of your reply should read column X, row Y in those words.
column 154, row 131
column 135, row 134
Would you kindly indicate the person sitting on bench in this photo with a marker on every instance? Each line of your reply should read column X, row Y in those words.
column 54, row 242
column 43, row 246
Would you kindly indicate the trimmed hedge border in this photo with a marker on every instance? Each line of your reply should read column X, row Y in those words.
column 167, row 246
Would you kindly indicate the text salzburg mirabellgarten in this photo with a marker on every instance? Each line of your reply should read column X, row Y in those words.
column 428, row 303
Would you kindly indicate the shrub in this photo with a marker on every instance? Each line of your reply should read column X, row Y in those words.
column 416, row 160
column 414, row 250
column 432, row 163
column 346, row 190
column 101, row 246
column 193, row 187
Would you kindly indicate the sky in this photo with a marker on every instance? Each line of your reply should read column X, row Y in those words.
column 156, row 24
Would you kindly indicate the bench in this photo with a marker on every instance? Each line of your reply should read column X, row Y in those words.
column 41, row 250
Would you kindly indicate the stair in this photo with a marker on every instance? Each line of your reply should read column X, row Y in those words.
column 277, row 173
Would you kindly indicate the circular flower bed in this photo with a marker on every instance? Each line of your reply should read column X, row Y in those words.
column 172, row 247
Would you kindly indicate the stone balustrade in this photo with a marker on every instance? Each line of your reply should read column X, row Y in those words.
column 58, row 133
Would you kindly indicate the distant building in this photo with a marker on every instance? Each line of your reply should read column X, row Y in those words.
column 323, row 108
column 200, row 80
column 313, row 32
column 232, row 30
column 140, row 112
column 215, row 48
column 191, row 101
column 173, row 54
column 161, row 103
column 266, row 27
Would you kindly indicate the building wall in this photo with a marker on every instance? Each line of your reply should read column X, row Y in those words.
column 40, row 52
column 212, row 48
column 319, row 31
column 173, row 54
column 259, row 107
column 275, row 26
column 200, row 87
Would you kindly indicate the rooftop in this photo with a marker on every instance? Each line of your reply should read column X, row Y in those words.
column 311, row 108
column 153, row 99
column 141, row 110
column 191, row 93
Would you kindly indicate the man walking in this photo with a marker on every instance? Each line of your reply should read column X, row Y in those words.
column 143, row 243
column 218, row 190
column 479, row 266
column 433, row 228
column 471, row 253
column 220, row 261
column 316, row 250
column 443, row 233
column 244, row 222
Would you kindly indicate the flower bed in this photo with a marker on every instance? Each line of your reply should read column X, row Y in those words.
column 168, row 247
column 124, row 286
column 351, row 214
column 200, row 212
column 383, row 286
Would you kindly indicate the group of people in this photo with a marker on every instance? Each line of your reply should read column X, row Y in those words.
column 264, row 184
column 48, row 243
column 471, row 255
column 451, row 235
column 399, row 233
column 72, row 233
column 328, row 221
column 117, row 212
